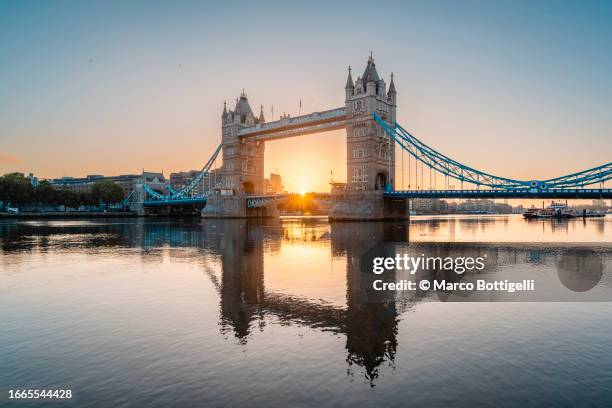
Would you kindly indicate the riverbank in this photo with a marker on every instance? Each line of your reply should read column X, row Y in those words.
column 69, row 214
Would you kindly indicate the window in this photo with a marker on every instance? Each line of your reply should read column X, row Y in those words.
column 383, row 153
column 359, row 174
column 359, row 131
column 383, row 107
column 360, row 153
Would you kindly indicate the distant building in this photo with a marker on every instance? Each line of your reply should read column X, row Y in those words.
column 210, row 181
column 273, row 185
column 338, row 187
column 277, row 183
column 599, row 204
column 126, row 181
column 429, row 204
column 470, row 206
column 268, row 187
column 180, row 180
column 33, row 179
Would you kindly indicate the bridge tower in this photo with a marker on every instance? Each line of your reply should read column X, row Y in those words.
column 370, row 152
column 243, row 158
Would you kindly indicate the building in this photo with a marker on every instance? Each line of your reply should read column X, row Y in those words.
column 126, row 181
column 276, row 182
column 338, row 188
column 429, row 204
column 483, row 206
column 599, row 204
column 33, row 179
column 181, row 180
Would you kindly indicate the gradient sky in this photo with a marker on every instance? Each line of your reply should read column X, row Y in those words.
column 520, row 89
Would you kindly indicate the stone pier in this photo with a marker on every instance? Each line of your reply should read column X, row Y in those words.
column 236, row 207
column 368, row 206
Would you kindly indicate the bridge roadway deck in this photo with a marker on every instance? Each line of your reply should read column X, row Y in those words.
column 579, row 193
column 181, row 201
column 256, row 201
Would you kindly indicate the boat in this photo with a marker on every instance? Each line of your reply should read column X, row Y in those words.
column 560, row 210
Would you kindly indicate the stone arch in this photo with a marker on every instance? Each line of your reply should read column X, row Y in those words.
column 248, row 187
column 380, row 182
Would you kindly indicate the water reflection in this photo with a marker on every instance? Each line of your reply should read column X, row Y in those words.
column 241, row 259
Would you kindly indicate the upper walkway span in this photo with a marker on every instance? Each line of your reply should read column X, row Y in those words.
column 285, row 127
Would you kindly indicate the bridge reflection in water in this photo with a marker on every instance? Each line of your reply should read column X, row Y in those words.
column 236, row 255
column 370, row 327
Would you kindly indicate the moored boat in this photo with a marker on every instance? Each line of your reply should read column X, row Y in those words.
column 560, row 210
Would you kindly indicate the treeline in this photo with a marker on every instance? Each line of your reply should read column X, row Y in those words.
column 17, row 191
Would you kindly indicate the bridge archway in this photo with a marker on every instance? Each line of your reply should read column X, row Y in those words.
column 248, row 187
column 381, row 181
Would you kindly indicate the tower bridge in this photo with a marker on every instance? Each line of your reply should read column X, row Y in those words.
column 372, row 136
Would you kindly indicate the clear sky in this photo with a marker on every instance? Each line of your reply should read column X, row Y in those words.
column 518, row 88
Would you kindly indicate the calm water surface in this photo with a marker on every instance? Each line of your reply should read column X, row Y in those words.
column 234, row 313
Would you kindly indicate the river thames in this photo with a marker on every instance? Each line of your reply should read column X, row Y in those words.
column 190, row 312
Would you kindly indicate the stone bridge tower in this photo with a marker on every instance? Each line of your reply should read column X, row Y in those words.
column 370, row 153
column 243, row 158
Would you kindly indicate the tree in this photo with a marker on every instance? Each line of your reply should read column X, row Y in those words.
column 17, row 189
column 87, row 199
column 108, row 192
column 3, row 196
column 68, row 198
column 45, row 194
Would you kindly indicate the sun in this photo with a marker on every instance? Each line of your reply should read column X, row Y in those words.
column 302, row 192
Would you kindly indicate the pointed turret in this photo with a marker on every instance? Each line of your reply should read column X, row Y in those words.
column 370, row 74
column 392, row 90
column 242, row 104
column 349, row 80
column 224, row 115
column 349, row 88
column 262, row 119
column 243, row 110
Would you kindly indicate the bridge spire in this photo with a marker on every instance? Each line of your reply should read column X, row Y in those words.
column 370, row 74
column 262, row 119
column 392, row 90
column 349, row 80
